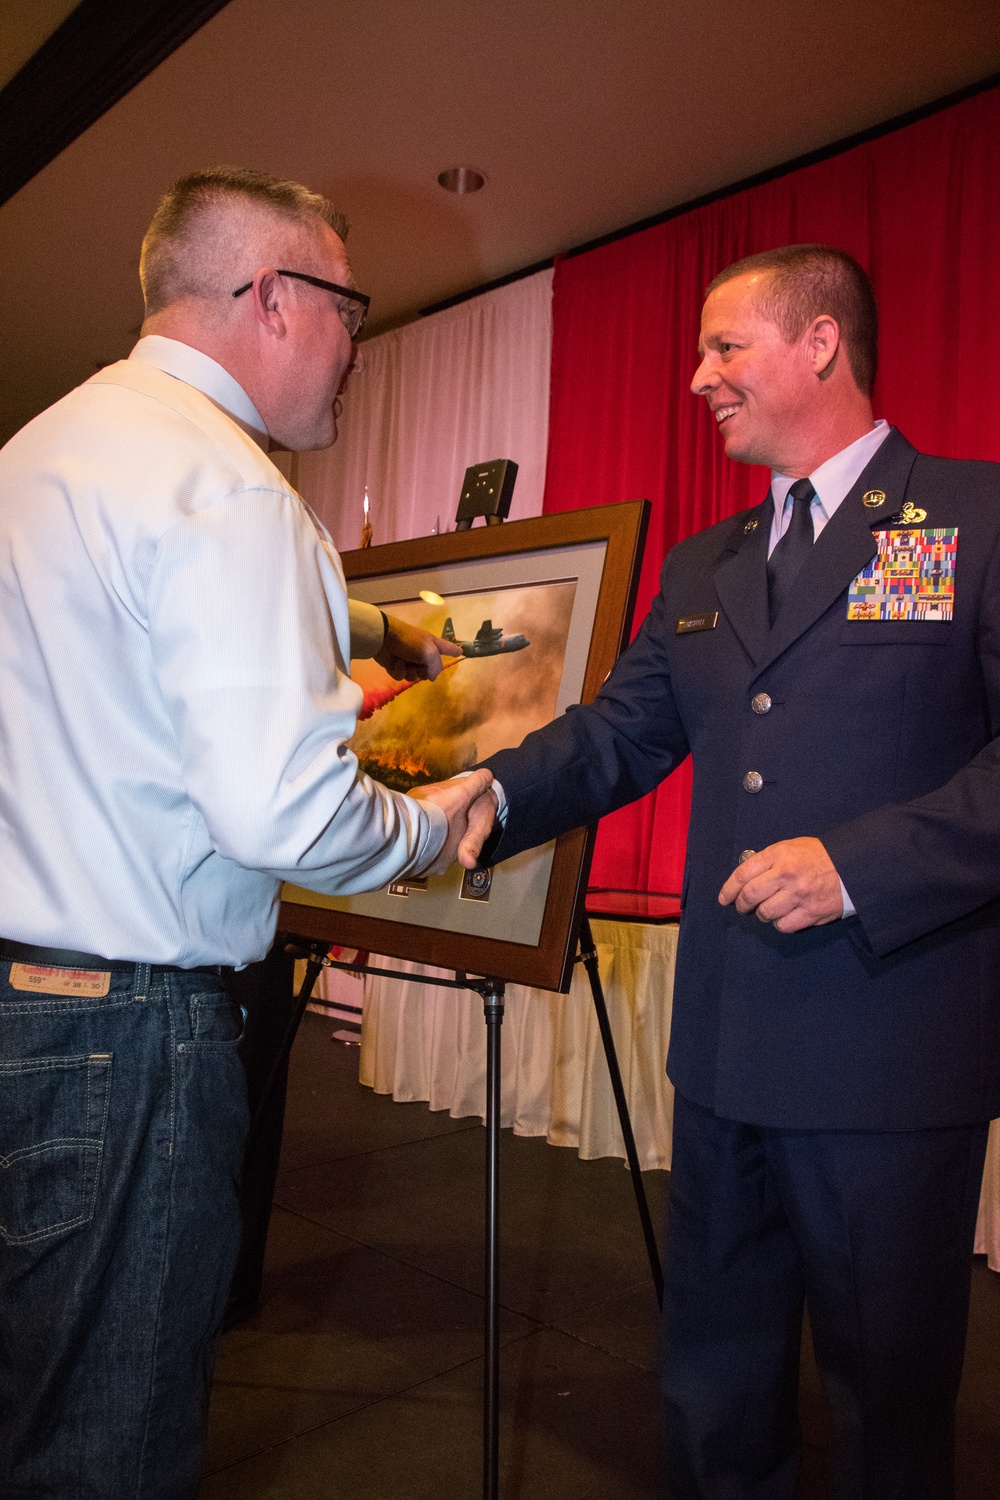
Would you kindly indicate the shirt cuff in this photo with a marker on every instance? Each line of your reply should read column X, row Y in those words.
column 849, row 909
column 501, row 812
column 367, row 629
column 501, row 803
column 436, row 836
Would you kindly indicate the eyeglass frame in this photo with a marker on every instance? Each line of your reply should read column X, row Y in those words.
column 326, row 286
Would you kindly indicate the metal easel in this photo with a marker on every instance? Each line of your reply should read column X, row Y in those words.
column 486, row 492
column 492, row 991
column 316, row 954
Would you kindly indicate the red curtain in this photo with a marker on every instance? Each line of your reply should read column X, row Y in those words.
column 920, row 209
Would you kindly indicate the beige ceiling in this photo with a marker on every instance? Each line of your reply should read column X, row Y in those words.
column 24, row 26
column 585, row 115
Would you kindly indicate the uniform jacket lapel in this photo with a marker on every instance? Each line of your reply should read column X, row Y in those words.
column 741, row 579
column 843, row 548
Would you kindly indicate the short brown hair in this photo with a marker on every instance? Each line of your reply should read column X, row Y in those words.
column 170, row 266
column 806, row 281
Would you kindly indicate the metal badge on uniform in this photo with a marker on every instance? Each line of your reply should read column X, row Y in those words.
column 873, row 499
column 911, row 515
column 39, row 980
column 911, row 578
column 707, row 621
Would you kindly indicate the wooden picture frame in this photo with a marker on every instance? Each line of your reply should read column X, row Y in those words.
column 586, row 562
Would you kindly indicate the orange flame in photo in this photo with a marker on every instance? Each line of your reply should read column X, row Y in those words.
column 397, row 768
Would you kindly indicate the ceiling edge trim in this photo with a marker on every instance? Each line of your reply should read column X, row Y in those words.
column 100, row 52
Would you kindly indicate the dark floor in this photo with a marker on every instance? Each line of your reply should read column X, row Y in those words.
column 362, row 1374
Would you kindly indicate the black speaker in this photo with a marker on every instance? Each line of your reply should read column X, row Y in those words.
column 486, row 491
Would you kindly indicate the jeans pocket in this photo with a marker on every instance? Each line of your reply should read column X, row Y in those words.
column 215, row 1018
column 51, row 1141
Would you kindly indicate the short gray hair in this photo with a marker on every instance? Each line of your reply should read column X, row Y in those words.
column 174, row 264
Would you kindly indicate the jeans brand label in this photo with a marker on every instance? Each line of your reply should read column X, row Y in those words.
column 42, row 981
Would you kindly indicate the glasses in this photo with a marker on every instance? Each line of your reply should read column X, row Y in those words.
column 353, row 318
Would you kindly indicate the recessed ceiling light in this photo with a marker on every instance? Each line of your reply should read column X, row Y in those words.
column 461, row 180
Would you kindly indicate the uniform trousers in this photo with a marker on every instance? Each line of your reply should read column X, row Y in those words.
column 122, row 1129
column 874, row 1233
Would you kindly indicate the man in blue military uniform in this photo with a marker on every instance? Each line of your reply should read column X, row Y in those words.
column 835, row 1049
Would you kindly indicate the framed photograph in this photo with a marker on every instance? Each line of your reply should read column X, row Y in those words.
column 541, row 609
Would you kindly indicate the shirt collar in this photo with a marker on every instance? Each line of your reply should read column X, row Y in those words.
column 834, row 479
column 207, row 376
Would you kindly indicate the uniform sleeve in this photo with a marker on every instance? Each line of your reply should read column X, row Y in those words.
column 249, row 630
column 916, row 866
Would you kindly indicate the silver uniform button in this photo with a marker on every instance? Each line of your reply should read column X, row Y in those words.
column 747, row 854
column 761, row 704
column 753, row 781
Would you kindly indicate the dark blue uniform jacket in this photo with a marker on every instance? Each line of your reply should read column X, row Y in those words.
column 881, row 740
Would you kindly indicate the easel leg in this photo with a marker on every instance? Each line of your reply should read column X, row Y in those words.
column 588, row 952
column 314, row 968
column 493, row 1003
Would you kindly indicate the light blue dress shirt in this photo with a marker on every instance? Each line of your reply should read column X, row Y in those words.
column 832, row 481
column 176, row 704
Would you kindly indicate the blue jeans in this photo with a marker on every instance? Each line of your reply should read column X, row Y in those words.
column 122, row 1126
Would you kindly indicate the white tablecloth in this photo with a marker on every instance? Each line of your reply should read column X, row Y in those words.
column 425, row 1042
column 421, row 1042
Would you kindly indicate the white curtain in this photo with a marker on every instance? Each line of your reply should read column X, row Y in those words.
column 461, row 387
column 424, row 1042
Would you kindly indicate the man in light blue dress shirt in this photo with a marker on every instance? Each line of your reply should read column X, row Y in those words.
column 173, row 745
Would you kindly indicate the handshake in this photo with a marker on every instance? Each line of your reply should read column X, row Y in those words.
column 470, row 805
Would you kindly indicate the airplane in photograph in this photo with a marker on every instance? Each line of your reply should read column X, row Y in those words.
column 488, row 641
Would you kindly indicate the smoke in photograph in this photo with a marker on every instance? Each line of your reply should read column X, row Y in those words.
column 412, row 734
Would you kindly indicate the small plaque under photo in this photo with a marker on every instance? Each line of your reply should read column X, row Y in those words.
column 404, row 887
column 476, row 885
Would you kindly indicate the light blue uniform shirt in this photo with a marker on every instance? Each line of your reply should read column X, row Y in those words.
column 175, row 699
column 832, row 481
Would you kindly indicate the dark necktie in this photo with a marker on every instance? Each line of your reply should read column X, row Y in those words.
column 792, row 550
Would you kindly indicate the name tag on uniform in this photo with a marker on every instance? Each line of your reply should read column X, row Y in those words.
column 911, row 578
column 43, row 981
column 697, row 622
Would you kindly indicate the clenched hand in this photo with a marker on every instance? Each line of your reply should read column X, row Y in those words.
column 792, row 885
